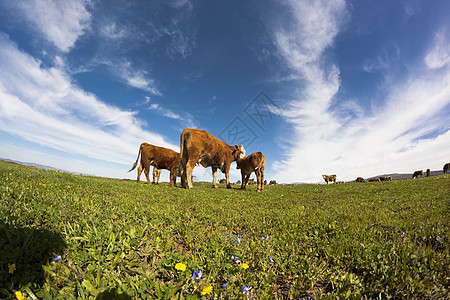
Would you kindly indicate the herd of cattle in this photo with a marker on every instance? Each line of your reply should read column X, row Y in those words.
column 416, row 174
column 198, row 147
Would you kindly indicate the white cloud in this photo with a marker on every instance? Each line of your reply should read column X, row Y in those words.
column 138, row 78
column 112, row 31
column 403, row 133
column 185, row 118
column 439, row 54
column 61, row 22
column 42, row 106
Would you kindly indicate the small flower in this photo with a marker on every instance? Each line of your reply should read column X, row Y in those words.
column 12, row 268
column 245, row 289
column 196, row 275
column 211, row 260
column 224, row 285
column 238, row 261
column 19, row 295
column 403, row 234
column 59, row 257
column 229, row 276
column 206, row 290
column 271, row 260
column 245, row 266
column 180, row 267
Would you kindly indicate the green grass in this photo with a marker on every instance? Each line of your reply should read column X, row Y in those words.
column 122, row 240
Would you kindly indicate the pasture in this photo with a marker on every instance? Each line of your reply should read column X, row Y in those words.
column 65, row 236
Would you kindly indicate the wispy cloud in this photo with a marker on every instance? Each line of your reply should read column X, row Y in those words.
column 402, row 132
column 185, row 118
column 68, row 118
column 61, row 22
column 138, row 78
column 439, row 55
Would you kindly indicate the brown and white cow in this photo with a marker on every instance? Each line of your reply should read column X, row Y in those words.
column 446, row 168
column 385, row 178
column 329, row 178
column 360, row 179
column 222, row 180
column 251, row 181
column 156, row 175
column 159, row 158
column 255, row 162
column 417, row 174
column 199, row 146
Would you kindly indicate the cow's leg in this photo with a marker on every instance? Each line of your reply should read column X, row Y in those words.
column 227, row 175
column 260, row 179
column 243, row 180
column 247, row 177
column 158, row 174
column 214, row 173
column 188, row 174
column 139, row 173
column 173, row 178
column 147, row 173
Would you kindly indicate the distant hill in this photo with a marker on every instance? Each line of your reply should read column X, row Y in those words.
column 37, row 165
column 397, row 176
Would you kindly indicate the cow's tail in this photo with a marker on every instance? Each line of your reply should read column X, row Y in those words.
column 137, row 159
column 183, row 156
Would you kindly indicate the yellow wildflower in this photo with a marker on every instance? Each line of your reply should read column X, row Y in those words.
column 19, row 295
column 206, row 290
column 180, row 267
column 12, row 268
column 245, row 265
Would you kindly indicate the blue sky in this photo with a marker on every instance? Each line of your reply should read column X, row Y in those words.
column 353, row 88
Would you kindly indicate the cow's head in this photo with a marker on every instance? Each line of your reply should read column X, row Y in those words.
column 238, row 152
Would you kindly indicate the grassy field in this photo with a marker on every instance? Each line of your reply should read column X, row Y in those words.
column 76, row 237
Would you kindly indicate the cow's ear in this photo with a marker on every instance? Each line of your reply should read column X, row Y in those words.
column 236, row 147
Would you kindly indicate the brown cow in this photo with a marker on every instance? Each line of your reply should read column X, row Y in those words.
column 446, row 168
column 159, row 158
column 198, row 146
column 374, row 179
column 417, row 174
column 385, row 178
column 428, row 172
column 328, row 178
column 255, row 162
column 360, row 179
column 251, row 181
column 222, row 180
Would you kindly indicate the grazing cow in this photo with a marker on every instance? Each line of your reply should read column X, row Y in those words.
column 251, row 181
column 198, row 146
column 374, row 179
column 255, row 162
column 222, row 180
column 428, row 172
column 446, row 168
column 417, row 174
column 329, row 178
column 385, row 178
column 360, row 179
column 159, row 158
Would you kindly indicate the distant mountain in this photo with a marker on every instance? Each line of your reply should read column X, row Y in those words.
column 397, row 176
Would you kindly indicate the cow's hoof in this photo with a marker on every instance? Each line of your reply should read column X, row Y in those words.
column 214, row 186
column 228, row 186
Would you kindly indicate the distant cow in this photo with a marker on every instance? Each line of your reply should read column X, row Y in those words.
column 374, row 179
column 198, row 146
column 159, row 157
column 428, row 172
column 446, row 168
column 251, row 181
column 329, row 178
column 222, row 181
column 255, row 162
column 417, row 174
column 360, row 179
column 385, row 178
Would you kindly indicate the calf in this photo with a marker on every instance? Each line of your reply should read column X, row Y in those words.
column 329, row 178
column 251, row 181
column 417, row 174
column 255, row 162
